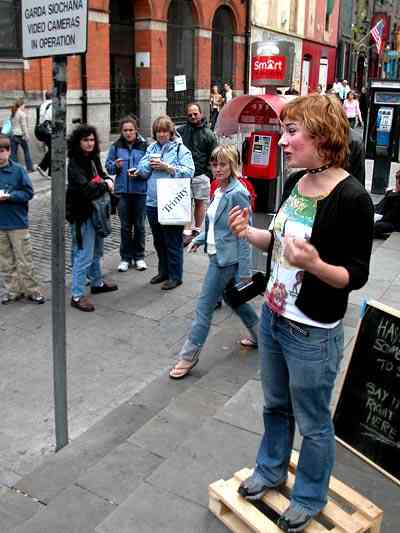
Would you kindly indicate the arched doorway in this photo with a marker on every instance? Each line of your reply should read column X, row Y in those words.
column 124, row 93
column 222, row 47
column 180, row 58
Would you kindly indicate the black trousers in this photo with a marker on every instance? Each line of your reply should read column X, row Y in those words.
column 45, row 163
column 168, row 242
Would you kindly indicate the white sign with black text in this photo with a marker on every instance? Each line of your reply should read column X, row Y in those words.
column 54, row 27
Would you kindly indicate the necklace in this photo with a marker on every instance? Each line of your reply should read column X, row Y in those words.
column 319, row 169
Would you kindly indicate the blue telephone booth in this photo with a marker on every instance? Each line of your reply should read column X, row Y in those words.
column 383, row 130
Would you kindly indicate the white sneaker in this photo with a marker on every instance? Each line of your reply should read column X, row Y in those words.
column 41, row 171
column 140, row 264
column 123, row 266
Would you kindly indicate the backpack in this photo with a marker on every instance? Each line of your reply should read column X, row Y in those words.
column 101, row 215
column 43, row 130
column 7, row 127
column 246, row 183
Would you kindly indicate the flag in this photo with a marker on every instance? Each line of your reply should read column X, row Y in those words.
column 376, row 33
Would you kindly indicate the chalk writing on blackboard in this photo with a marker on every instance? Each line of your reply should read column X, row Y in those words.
column 367, row 417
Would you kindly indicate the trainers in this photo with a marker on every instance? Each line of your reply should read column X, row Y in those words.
column 41, row 171
column 294, row 519
column 10, row 298
column 105, row 287
column 255, row 486
column 37, row 298
column 83, row 304
column 123, row 266
column 140, row 264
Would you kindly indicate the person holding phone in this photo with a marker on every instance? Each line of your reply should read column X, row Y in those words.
column 122, row 160
column 166, row 158
column 319, row 247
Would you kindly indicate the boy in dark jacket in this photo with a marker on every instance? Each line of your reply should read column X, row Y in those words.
column 15, row 244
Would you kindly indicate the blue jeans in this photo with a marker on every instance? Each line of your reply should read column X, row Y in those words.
column 86, row 260
column 18, row 140
column 215, row 281
column 132, row 214
column 298, row 374
column 168, row 242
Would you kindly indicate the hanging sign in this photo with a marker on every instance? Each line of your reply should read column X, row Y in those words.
column 272, row 63
column 55, row 27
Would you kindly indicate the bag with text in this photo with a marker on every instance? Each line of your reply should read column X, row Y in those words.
column 174, row 203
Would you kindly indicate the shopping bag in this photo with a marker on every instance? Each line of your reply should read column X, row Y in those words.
column 174, row 203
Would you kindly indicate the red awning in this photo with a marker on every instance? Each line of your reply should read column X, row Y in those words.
column 249, row 109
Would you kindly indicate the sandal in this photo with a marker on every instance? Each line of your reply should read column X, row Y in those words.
column 182, row 371
column 248, row 342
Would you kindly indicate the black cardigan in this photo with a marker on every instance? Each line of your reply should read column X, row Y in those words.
column 342, row 233
column 81, row 190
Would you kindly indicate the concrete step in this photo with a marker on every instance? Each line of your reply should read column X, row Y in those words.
column 82, row 484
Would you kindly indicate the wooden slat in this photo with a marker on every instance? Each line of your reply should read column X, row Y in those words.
column 334, row 513
column 227, row 516
column 248, row 514
column 354, row 498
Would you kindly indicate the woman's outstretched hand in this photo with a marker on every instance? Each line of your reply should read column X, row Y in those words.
column 239, row 221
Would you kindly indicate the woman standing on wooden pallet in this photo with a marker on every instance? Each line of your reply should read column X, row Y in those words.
column 319, row 248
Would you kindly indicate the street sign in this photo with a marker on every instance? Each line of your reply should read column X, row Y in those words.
column 54, row 27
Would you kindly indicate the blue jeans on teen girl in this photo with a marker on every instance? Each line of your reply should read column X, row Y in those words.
column 217, row 278
column 86, row 260
column 298, row 371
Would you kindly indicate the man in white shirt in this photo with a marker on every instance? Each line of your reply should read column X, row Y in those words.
column 45, row 117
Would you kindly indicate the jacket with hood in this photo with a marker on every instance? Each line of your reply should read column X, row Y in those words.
column 175, row 153
column 201, row 141
column 16, row 182
column 131, row 155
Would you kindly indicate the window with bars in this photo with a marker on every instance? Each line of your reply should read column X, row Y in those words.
column 10, row 29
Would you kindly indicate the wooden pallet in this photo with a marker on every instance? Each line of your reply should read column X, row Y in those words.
column 347, row 511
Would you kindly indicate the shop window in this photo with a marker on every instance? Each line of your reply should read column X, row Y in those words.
column 10, row 29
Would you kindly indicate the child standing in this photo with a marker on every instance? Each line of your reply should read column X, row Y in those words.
column 15, row 244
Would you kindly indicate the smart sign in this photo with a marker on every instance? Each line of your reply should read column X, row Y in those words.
column 272, row 63
column 54, row 27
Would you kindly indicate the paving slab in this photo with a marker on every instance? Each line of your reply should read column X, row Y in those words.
column 215, row 451
column 173, row 514
column 164, row 433
column 63, row 468
column 119, row 474
column 15, row 509
column 75, row 511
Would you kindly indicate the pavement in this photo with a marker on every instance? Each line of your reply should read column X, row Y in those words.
column 143, row 449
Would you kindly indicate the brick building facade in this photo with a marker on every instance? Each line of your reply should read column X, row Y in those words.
column 135, row 50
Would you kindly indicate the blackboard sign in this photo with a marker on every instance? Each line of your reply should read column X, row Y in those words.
column 367, row 418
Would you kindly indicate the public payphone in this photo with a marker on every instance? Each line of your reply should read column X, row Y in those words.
column 260, row 155
column 383, row 131
column 384, row 123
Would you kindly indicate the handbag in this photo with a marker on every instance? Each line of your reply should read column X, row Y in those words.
column 238, row 293
column 174, row 205
column 6, row 129
column 101, row 215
